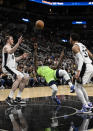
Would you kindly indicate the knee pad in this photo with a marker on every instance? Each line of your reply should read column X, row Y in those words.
column 62, row 73
column 54, row 87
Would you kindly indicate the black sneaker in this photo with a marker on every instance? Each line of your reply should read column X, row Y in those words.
column 9, row 101
column 18, row 100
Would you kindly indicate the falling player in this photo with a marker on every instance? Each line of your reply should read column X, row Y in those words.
column 51, row 75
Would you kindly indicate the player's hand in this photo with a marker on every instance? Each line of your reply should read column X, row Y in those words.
column 77, row 74
column 35, row 46
column 25, row 55
column 20, row 40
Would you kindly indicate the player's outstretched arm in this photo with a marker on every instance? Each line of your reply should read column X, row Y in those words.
column 24, row 56
column 60, row 59
column 16, row 46
column 35, row 56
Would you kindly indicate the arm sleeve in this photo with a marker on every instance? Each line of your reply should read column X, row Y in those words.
column 80, row 61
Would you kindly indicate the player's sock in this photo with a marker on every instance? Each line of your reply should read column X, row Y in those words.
column 85, row 94
column 70, row 83
column 72, row 87
column 19, row 93
column 54, row 90
column 11, row 94
column 80, row 94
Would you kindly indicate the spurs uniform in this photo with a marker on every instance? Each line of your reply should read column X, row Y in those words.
column 9, row 65
column 87, row 67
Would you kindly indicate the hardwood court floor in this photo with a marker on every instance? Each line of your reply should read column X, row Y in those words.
column 33, row 92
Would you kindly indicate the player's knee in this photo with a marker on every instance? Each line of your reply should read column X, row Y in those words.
column 19, row 78
column 25, row 78
column 62, row 72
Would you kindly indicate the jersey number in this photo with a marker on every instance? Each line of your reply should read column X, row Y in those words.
column 85, row 52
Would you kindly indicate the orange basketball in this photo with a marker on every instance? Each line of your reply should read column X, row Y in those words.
column 39, row 24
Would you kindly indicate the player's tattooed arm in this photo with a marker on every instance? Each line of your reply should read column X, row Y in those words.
column 60, row 59
column 35, row 57
column 24, row 56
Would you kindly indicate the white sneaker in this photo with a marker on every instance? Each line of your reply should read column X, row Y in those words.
column 2, row 87
column 85, row 109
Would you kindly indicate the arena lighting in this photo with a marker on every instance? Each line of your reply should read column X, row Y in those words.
column 64, row 3
column 25, row 20
column 64, row 40
column 79, row 22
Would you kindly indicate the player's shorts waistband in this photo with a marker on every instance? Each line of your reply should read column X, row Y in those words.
column 51, row 83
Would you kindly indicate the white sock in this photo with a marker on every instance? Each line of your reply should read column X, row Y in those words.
column 11, row 94
column 70, row 84
column 85, row 94
column 19, row 93
column 54, row 90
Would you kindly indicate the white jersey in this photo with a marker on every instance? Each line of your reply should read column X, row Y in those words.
column 9, row 65
column 8, row 60
column 84, row 53
column 87, row 69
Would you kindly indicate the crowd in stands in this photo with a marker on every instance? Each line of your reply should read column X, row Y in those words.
column 49, row 49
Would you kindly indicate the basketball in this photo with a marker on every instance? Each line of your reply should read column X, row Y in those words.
column 39, row 24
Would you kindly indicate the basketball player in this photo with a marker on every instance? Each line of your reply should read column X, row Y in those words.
column 9, row 67
column 51, row 75
column 84, row 70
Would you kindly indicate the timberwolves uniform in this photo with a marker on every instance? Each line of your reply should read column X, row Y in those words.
column 87, row 68
column 9, row 64
column 46, row 72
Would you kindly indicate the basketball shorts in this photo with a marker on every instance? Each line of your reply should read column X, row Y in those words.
column 12, row 72
column 86, row 73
